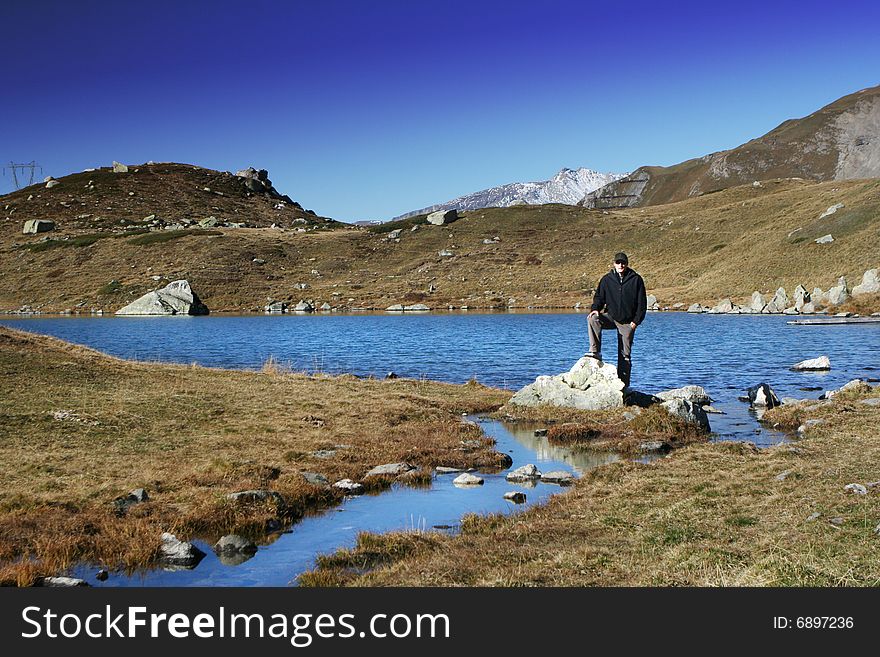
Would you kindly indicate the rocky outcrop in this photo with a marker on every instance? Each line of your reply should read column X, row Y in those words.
column 837, row 142
column 176, row 298
column 589, row 385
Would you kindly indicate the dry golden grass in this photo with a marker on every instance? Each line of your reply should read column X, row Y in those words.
column 725, row 244
column 190, row 435
column 721, row 514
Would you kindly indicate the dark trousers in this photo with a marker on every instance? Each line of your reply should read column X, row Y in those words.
column 625, row 333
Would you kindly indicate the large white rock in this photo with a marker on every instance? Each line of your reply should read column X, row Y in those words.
column 693, row 394
column 589, row 385
column 869, row 285
column 831, row 210
column 813, row 364
column 442, row 217
column 176, row 298
column 34, row 226
column 839, row 293
column 757, row 303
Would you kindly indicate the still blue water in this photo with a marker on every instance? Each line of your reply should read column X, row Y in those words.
column 723, row 353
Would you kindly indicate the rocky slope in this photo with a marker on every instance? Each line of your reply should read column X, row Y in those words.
column 841, row 141
column 568, row 186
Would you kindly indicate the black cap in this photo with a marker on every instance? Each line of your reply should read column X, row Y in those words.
column 621, row 256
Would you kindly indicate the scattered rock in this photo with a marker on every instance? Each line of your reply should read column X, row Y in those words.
column 693, row 394
column 256, row 497
column 540, row 433
column 176, row 298
column 856, row 489
column 232, row 543
column 445, row 253
column 527, row 472
column 303, row 307
column 442, row 217
column 34, row 226
column 315, row 479
column 62, row 582
column 119, row 168
column 825, row 239
column 813, row 517
column 831, row 210
column 515, row 496
column 102, row 575
column 839, row 293
column 654, row 446
column 695, row 308
column 175, row 552
column 687, row 411
column 837, row 521
column 873, row 401
column 349, row 487
column 467, row 479
column 763, row 395
column 52, row 183
column 559, row 477
column 782, row 476
column 276, row 307
column 724, row 306
column 390, row 469
column 442, row 469
column 819, row 364
column 757, row 304
column 416, row 307
column 124, row 503
column 869, row 285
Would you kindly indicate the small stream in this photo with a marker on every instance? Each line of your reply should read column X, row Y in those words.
column 283, row 556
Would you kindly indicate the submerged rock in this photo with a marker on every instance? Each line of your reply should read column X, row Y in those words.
column 176, row 298
column 515, row 496
column 560, row 477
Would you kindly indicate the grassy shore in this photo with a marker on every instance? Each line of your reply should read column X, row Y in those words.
column 716, row 514
column 80, row 428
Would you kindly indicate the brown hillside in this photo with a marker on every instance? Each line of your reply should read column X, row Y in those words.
column 841, row 141
column 699, row 250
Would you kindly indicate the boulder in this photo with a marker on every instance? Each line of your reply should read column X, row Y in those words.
column 527, row 472
column 467, row 479
column 817, row 296
column 395, row 308
column 778, row 303
column 122, row 504
column 652, row 302
column 34, row 226
column 839, row 293
column 349, row 487
column 62, row 582
column 869, row 285
column 257, row 497
column 276, row 307
column 813, row 365
column 325, row 307
column 445, row 253
column 762, row 395
column 723, row 306
column 394, row 234
column 687, row 411
column 801, row 297
column 695, row 308
column 390, row 469
column 515, row 496
column 233, row 543
column 417, row 307
column 757, row 304
column 315, row 479
column 52, row 183
column 442, row 217
column 589, row 385
column 640, row 399
column 655, row 446
column 303, row 307
column 174, row 552
column 559, row 477
column 119, row 167
column 831, row 210
column 825, row 239
column 176, row 298
column 693, row 394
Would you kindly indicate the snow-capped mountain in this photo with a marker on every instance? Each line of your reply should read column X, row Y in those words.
column 568, row 186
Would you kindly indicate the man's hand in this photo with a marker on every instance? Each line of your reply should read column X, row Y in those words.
column 633, row 325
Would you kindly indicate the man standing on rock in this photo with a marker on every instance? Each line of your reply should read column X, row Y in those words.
column 620, row 303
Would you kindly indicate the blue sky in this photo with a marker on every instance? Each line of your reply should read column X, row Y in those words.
column 365, row 110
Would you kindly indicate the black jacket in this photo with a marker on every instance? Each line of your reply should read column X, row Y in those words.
column 625, row 300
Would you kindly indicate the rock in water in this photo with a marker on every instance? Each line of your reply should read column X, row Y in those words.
column 688, row 411
column 589, row 385
column 763, row 395
column 176, row 298
column 693, row 394
column 467, row 479
column 175, row 552
column 813, row 365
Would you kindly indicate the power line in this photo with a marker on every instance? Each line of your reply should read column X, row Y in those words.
column 29, row 167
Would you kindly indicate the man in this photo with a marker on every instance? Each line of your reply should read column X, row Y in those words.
column 620, row 303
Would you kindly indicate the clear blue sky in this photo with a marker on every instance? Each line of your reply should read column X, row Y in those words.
column 363, row 110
